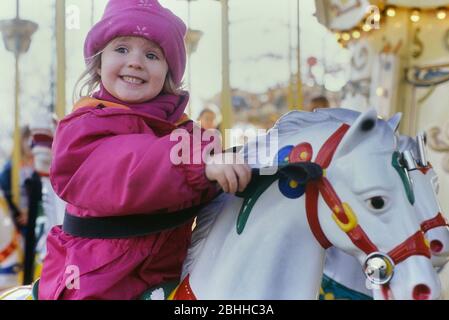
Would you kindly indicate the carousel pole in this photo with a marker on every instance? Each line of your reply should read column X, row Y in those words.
column 16, row 154
column 17, row 37
column 60, row 59
column 299, row 97
column 290, row 94
column 226, row 100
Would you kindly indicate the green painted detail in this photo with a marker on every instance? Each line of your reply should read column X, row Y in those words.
column 339, row 291
column 35, row 290
column 404, row 176
column 251, row 194
column 165, row 288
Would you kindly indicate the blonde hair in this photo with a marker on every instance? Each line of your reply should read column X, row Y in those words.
column 89, row 80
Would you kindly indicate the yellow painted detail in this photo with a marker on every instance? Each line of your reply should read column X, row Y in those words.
column 329, row 296
column 172, row 294
column 427, row 242
column 293, row 184
column 336, row 209
column 389, row 267
column 352, row 219
column 303, row 155
column 324, row 173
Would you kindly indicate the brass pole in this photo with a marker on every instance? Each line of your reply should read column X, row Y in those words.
column 16, row 153
column 290, row 94
column 60, row 59
column 226, row 100
column 299, row 97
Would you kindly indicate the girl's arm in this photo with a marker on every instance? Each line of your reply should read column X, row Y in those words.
column 105, row 164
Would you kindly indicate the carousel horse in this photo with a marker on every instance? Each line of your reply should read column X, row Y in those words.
column 343, row 277
column 360, row 204
column 330, row 184
column 9, row 248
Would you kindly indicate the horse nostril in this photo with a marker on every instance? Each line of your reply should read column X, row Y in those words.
column 421, row 292
column 436, row 246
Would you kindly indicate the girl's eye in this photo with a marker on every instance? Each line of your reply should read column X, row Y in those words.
column 121, row 50
column 152, row 56
column 376, row 203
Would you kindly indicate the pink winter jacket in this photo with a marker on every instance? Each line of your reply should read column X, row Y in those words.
column 111, row 161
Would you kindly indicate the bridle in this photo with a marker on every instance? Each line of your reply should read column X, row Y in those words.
column 344, row 216
column 424, row 166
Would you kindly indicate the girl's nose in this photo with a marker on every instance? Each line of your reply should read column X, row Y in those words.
column 135, row 62
column 135, row 65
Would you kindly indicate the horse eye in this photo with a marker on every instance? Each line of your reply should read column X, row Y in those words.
column 376, row 203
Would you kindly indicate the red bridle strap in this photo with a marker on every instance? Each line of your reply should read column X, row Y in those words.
column 343, row 215
column 415, row 245
column 313, row 190
column 323, row 187
column 312, row 194
column 437, row 221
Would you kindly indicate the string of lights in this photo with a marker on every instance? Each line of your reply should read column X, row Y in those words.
column 373, row 21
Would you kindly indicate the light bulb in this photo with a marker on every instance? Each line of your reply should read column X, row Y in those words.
column 416, row 15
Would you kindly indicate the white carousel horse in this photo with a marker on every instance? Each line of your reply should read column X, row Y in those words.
column 9, row 245
column 343, row 277
column 42, row 128
column 278, row 252
column 269, row 246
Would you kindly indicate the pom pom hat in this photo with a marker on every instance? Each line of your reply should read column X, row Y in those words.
column 141, row 18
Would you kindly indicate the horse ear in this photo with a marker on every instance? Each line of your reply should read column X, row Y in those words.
column 359, row 131
column 394, row 121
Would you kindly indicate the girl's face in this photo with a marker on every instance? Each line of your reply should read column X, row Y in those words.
column 133, row 69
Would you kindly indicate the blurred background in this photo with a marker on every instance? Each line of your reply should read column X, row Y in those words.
column 249, row 62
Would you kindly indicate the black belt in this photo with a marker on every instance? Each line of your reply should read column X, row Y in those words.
column 144, row 224
column 126, row 226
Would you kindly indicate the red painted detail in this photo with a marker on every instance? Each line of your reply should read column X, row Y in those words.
column 361, row 240
column 415, row 245
column 437, row 221
column 424, row 170
column 328, row 149
column 184, row 291
column 386, row 291
column 312, row 194
column 10, row 248
column 332, row 200
column 301, row 153
column 421, row 292
column 43, row 174
column 436, row 246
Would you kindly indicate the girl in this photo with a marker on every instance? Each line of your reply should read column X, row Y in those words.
column 123, row 231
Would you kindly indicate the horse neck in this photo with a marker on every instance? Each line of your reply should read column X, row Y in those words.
column 276, row 256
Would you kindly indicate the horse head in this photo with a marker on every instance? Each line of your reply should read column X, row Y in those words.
column 428, row 210
column 374, row 219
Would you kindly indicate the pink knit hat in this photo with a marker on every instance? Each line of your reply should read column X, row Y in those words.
column 141, row 18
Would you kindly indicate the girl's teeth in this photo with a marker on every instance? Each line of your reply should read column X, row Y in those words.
column 132, row 80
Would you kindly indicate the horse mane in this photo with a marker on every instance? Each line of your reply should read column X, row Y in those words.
column 204, row 220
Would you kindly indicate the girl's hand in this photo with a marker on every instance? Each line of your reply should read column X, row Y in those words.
column 229, row 170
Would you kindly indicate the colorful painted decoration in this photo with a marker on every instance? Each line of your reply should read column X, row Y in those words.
column 396, row 162
column 289, row 188
column 301, row 153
